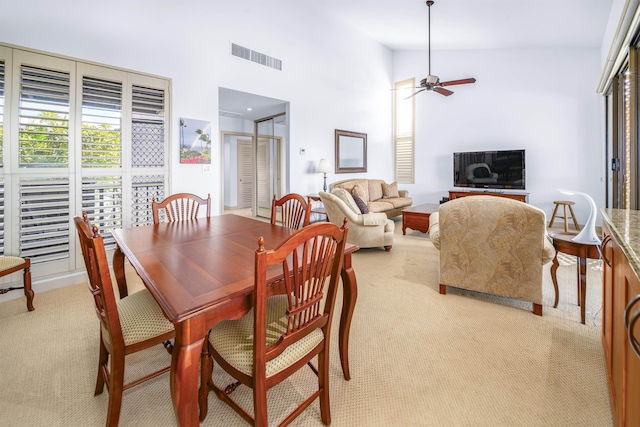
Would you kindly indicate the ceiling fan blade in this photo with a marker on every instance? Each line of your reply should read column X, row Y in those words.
column 458, row 82
column 442, row 91
column 415, row 93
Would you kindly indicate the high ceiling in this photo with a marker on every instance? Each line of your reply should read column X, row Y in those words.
column 455, row 24
column 477, row 24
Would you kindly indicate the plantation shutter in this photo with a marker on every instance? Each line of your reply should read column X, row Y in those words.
column 101, row 159
column 79, row 137
column 404, row 116
column 101, row 123
column 2, row 104
column 44, row 218
column 2, row 91
column 43, row 117
column 148, row 148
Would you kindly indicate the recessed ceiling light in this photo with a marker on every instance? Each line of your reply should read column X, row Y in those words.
column 249, row 108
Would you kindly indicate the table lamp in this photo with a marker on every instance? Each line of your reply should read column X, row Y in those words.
column 324, row 167
column 588, row 234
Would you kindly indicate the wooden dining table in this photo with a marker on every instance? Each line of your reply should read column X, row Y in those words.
column 201, row 271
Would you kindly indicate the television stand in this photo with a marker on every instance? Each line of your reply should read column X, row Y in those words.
column 520, row 196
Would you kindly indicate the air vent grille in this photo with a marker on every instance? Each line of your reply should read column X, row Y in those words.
column 257, row 57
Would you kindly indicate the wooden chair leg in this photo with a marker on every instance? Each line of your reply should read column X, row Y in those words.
column 103, row 359
column 564, row 209
column 116, row 386
column 261, row 415
column 206, row 370
column 573, row 217
column 323, row 384
column 553, row 215
column 28, row 292
column 443, row 289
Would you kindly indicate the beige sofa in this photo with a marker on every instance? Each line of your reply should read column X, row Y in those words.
column 371, row 191
column 365, row 230
column 493, row 245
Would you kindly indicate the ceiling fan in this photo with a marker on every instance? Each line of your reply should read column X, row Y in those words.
column 433, row 82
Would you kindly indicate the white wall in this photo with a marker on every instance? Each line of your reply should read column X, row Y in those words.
column 542, row 100
column 333, row 76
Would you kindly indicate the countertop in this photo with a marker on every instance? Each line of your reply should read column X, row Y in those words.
column 625, row 227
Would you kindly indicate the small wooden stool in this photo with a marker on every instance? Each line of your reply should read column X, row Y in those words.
column 564, row 204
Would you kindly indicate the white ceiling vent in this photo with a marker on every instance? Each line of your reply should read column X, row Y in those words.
column 229, row 114
column 257, row 57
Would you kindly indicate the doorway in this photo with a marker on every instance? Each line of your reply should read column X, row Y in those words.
column 253, row 133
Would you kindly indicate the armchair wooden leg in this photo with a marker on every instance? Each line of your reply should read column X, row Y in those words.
column 537, row 309
column 443, row 289
column 387, row 248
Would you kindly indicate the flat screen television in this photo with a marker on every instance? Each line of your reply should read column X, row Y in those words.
column 504, row 169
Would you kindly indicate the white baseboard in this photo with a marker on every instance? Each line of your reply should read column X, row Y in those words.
column 46, row 284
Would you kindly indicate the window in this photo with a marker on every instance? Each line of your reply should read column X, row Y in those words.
column 404, row 131
column 76, row 137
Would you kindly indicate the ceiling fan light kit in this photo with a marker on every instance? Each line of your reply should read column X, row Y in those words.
column 432, row 82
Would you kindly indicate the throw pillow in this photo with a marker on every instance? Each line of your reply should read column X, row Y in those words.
column 344, row 195
column 361, row 204
column 390, row 190
column 481, row 172
column 359, row 191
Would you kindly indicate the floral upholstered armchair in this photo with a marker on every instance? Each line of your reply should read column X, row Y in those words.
column 493, row 245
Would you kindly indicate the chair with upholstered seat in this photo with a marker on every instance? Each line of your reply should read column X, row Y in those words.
column 178, row 207
column 294, row 211
column 292, row 320
column 13, row 264
column 127, row 325
column 366, row 230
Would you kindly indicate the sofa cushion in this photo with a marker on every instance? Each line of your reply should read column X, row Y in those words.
column 390, row 191
column 380, row 206
column 375, row 189
column 399, row 202
column 346, row 197
column 361, row 204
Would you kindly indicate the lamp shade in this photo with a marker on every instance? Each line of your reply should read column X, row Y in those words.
column 324, row 166
column 588, row 234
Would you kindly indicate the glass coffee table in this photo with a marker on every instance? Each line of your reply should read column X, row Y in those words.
column 417, row 217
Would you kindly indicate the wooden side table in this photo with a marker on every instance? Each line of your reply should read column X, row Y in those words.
column 563, row 243
column 417, row 217
column 320, row 210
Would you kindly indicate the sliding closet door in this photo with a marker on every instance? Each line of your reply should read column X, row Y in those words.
column 267, row 164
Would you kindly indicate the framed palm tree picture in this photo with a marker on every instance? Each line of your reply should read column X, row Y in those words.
column 195, row 141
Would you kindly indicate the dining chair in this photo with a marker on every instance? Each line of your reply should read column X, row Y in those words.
column 127, row 325
column 294, row 210
column 292, row 320
column 13, row 264
column 179, row 206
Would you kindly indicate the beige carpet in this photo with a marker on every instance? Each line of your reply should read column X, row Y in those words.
column 418, row 358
